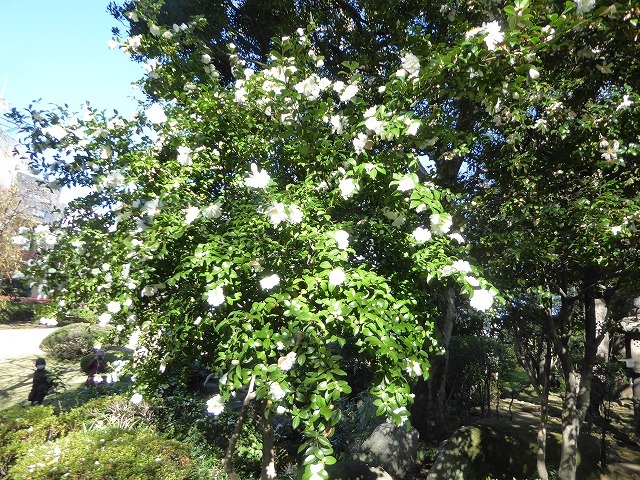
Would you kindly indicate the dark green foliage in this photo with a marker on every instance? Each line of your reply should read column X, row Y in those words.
column 479, row 363
column 184, row 418
column 16, row 312
column 71, row 342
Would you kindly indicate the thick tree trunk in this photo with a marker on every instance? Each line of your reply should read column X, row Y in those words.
column 449, row 313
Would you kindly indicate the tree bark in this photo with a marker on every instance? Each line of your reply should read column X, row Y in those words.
column 541, row 454
column 578, row 385
column 227, row 460
column 268, row 450
column 447, row 327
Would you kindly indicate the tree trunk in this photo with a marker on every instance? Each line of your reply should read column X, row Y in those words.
column 268, row 451
column 449, row 314
column 578, row 385
column 227, row 460
column 541, row 454
column 570, row 429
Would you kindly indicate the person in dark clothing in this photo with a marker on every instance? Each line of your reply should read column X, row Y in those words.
column 41, row 383
column 95, row 367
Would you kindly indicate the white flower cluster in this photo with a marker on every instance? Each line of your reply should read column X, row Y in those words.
column 492, row 32
column 278, row 212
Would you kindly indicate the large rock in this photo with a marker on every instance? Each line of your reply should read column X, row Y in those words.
column 391, row 447
column 355, row 469
column 503, row 452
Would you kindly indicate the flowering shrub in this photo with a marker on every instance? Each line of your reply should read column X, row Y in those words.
column 211, row 231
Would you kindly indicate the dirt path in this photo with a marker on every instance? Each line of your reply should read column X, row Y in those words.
column 22, row 342
column 19, row 348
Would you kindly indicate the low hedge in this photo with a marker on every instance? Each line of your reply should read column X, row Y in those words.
column 72, row 342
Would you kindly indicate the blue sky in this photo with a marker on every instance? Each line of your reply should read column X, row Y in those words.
column 57, row 51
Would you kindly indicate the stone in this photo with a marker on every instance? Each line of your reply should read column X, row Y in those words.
column 356, row 470
column 391, row 447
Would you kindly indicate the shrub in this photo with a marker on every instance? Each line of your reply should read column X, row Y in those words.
column 106, row 454
column 72, row 341
column 16, row 312
column 22, row 429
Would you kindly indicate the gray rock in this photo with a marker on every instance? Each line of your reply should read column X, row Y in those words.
column 391, row 447
column 356, row 470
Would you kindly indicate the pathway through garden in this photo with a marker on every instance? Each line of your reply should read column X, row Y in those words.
column 19, row 348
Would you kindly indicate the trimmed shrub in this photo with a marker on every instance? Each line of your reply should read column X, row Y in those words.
column 107, row 454
column 72, row 341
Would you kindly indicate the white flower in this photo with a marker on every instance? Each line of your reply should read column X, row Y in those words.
column 471, row 280
column 440, row 223
column 258, row 178
column 349, row 92
column 406, row 183
column 276, row 213
column 605, row 68
column 457, row 237
column 533, row 73
column 626, row 103
column 360, row 142
column 155, row 114
column 215, row 297
column 336, row 277
column 337, row 123
column 286, row 363
column 295, row 214
column 584, row 6
column 414, row 369
column 49, row 322
column 342, row 239
column 374, row 125
column 461, row 266
column 56, row 131
column 104, row 319
column 190, row 214
column 616, row 230
column 412, row 128
column 421, row 235
column 267, row 283
column 494, row 34
column 212, row 211
column 184, row 155
column 205, row 58
column 481, row 299
column 411, row 65
column 276, row 391
column 114, row 307
column 19, row 240
column 136, row 398
column 215, row 405
column 347, row 187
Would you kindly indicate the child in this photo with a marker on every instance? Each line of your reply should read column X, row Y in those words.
column 96, row 366
column 41, row 383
